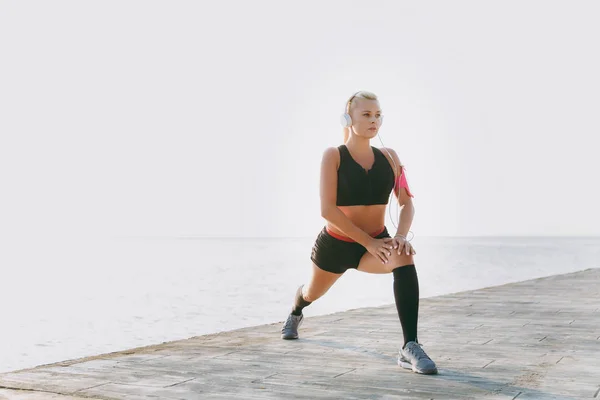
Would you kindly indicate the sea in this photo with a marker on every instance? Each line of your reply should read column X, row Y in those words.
column 65, row 298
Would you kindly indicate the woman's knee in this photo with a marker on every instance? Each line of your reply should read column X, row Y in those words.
column 400, row 260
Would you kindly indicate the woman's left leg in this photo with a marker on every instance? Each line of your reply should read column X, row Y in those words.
column 406, row 295
column 406, row 288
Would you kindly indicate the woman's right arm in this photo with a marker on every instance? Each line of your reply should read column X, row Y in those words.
column 328, row 191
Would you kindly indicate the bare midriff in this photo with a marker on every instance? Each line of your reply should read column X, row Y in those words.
column 370, row 219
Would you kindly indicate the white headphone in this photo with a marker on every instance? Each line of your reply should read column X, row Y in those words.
column 345, row 118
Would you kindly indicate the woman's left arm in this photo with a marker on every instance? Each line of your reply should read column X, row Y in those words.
column 407, row 212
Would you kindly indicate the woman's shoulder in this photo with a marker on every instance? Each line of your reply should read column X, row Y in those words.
column 388, row 152
column 333, row 151
column 391, row 155
column 332, row 154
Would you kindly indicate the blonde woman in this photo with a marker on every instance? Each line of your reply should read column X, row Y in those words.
column 356, row 182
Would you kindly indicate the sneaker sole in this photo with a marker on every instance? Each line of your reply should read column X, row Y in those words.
column 407, row 365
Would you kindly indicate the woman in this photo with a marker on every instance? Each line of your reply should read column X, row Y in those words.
column 356, row 182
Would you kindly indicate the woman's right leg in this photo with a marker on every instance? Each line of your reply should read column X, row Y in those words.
column 330, row 260
column 319, row 283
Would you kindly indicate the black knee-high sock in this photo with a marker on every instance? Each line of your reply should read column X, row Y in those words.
column 406, row 293
column 299, row 302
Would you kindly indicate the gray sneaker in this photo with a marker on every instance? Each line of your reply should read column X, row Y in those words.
column 412, row 356
column 290, row 328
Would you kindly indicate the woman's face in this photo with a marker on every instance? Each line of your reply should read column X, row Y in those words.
column 366, row 117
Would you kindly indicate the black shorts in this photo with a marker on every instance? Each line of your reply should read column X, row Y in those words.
column 335, row 255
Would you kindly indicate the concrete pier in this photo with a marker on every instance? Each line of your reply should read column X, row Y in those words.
column 538, row 339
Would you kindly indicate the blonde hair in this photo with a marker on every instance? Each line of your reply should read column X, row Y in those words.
column 363, row 95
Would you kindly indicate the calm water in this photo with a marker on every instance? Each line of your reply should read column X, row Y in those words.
column 61, row 299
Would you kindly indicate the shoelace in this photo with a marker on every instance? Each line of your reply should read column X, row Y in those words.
column 418, row 352
column 289, row 322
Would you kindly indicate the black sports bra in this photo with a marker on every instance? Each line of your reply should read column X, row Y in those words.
column 357, row 186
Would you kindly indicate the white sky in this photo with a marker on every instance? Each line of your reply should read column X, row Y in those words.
column 190, row 118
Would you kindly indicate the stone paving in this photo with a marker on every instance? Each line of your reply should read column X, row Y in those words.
column 538, row 339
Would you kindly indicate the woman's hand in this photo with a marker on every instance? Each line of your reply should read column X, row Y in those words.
column 380, row 248
column 399, row 242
